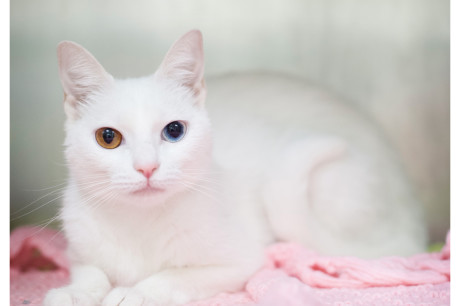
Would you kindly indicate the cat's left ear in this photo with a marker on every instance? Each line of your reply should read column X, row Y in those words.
column 184, row 63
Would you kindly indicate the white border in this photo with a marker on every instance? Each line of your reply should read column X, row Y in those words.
column 5, row 148
column 454, row 142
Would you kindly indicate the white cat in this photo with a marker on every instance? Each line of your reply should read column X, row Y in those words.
column 155, row 215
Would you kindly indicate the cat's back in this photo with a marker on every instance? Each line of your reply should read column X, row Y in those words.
column 262, row 112
column 277, row 98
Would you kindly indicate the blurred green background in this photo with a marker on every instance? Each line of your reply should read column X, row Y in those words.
column 390, row 58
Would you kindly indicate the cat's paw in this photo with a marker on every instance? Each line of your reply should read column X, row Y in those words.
column 123, row 296
column 158, row 290
column 145, row 295
column 69, row 297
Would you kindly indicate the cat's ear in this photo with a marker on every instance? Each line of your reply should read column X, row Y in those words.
column 80, row 74
column 184, row 63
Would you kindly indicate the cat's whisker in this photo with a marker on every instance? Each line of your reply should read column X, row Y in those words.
column 37, row 208
column 86, row 199
column 94, row 194
column 44, row 225
column 60, row 164
column 89, row 184
column 197, row 189
column 60, row 191
column 37, row 200
column 46, row 188
column 203, row 186
column 61, row 185
column 208, row 192
column 201, row 171
column 59, row 231
column 105, row 199
column 93, row 177
column 48, row 221
column 197, row 180
column 99, row 194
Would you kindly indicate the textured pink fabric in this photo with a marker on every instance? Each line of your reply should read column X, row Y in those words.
column 292, row 275
column 37, row 263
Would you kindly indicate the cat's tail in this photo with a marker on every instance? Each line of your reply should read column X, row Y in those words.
column 329, row 196
column 288, row 194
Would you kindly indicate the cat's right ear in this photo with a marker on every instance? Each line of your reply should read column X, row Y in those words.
column 80, row 74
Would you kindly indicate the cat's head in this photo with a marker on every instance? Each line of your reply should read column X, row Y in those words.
column 138, row 140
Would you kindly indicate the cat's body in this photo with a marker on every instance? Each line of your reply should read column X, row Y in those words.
column 165, row 220
column 315, row 158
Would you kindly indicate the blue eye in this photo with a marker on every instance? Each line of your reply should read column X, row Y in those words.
column 174, row 131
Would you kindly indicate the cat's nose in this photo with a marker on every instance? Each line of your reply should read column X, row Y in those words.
column 147, row 170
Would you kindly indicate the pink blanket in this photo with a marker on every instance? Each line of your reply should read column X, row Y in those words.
column 292, row 275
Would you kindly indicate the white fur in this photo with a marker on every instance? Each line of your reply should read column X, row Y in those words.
column 328, row 179
column 297, row 177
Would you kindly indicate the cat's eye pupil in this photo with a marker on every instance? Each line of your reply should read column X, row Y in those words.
column 174, row 131
column 108, row 135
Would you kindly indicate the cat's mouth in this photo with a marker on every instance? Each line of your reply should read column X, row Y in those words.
column 148, row 190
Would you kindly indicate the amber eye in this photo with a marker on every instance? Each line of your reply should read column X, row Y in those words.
column 108, row 138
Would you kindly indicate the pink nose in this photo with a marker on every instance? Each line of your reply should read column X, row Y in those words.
column 147, row 170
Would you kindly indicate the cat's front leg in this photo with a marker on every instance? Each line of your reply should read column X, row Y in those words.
column 180, row 286
column 88, row 287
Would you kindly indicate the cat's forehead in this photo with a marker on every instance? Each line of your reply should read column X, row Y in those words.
column 142, row 93
column 138, row 100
